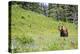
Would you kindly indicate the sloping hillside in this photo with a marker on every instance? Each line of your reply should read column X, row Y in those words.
column 32, row 31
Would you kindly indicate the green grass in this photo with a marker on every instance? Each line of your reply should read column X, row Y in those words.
column 31, row 31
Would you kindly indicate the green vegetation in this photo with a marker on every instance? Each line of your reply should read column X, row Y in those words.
column 31, row 31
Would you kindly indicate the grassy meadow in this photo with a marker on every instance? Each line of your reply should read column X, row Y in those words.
column 31, row 32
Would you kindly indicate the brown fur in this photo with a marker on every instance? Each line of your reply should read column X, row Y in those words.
column 63, row 31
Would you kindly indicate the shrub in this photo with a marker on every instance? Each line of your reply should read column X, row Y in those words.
column 25, row 39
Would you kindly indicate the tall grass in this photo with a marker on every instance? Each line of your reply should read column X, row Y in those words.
column 31, row 31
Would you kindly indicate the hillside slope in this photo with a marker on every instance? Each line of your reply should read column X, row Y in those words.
column 31, row 31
